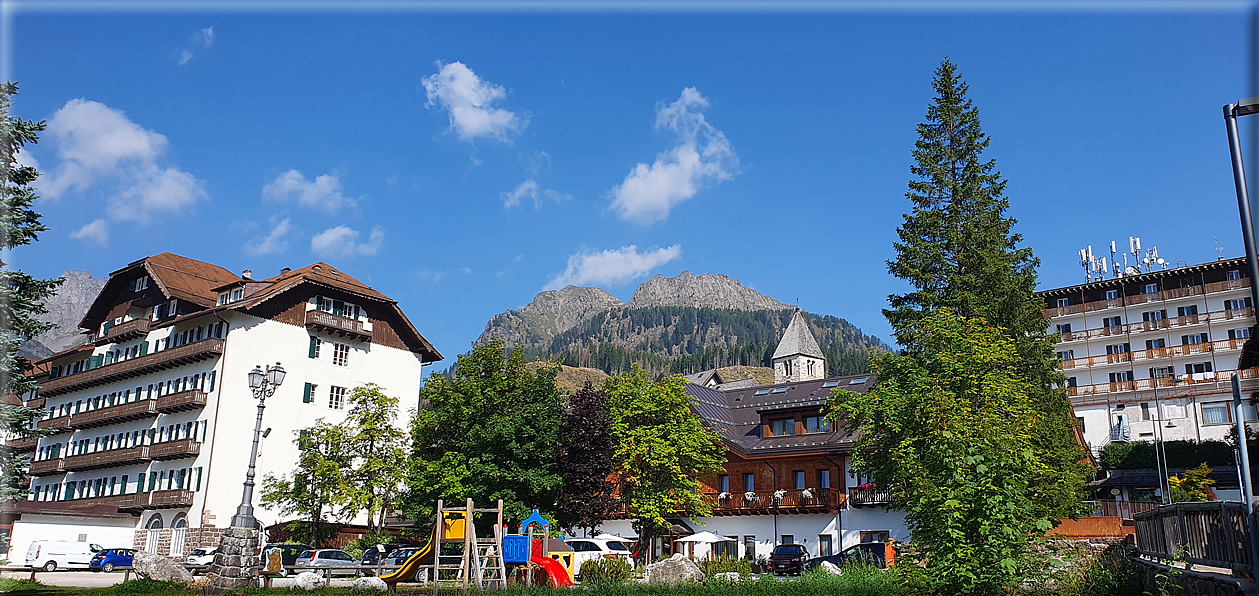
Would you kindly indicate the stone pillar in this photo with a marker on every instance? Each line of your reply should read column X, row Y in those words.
column 236, row 564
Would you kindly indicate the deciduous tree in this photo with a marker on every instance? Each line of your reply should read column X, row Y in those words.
column 377, row 446
column 585, row 460
column 662, row 450
column 317, row 488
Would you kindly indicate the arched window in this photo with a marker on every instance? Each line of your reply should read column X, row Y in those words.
column 155, row 522
column 180, row 521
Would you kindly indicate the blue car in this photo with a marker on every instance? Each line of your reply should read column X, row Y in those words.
column 109, row 559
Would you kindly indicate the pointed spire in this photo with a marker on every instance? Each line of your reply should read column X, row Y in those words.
column 798, row 339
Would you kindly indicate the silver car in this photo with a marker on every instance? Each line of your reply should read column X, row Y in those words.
column 338, row 561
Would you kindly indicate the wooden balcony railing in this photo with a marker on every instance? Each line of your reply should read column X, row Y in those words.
column 1160, row 324
column 337, row 324
column 133, row 501
column 175, row 449
column 1156, row 353
column 47, row 466
column 1122, row 509
column 19, row 444
column 132, row 329
column 58, row 424
column 105, row 459
column 1218, row 380
column 165, row 499
column 37, row 403
column 185, row 400
column 1168, row 294
column 776, row 501
column 867, row 497
column 126, row 369
column 136, row 410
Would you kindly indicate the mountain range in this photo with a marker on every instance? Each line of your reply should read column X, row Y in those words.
column 66, row 309
column 678, row 324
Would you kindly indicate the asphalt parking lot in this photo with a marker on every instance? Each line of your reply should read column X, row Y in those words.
column 74, row 579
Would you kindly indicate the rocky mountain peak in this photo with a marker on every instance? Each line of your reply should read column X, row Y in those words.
column 66, row 309
column 552, row 312
column 707, row 290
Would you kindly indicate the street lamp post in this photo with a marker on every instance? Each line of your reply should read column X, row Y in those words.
column 263, row 385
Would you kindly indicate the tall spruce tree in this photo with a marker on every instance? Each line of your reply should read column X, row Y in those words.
column 21, row 295
column 958, row 250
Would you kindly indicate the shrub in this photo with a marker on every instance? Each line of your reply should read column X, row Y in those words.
column 1180, row 454
column 605, row 570
column 711, row 567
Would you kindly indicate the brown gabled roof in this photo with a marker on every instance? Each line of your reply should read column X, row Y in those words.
column 175, row 276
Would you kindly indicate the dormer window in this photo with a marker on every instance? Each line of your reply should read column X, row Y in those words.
column 337, row 307
column 138, row 284
column 782, row 427
column 230, row 296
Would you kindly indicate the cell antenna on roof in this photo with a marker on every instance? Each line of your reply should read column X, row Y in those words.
column 1219, row 250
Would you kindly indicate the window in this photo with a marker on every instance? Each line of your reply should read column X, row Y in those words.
column 797, row 479
column 816, row 424
column 341, row 354
column 824, row 478
column 336, row 398
column 1188, row 282
column 875, row 536
column 1154, row 315
column 787, row 368
column 1187, row 311
column 1239, row 333
column 1064, row 328
column 172, row 307
column 749, row 546
column 810, row 366
column 782, row 427
column 829, row 384
column 1197, row 338
column 824, row 548
column 1123, row 348
column 1154, row 344
column 762, row 392
column 1146, row 412
column 308, row 394
column 1067, row 355
column 1237, row 304
column 1198, row 368
column 723, row 483
column 1233, row 274
column 1150, row 289
column 788, row 539
column 749, row 482
column 1079, row 421
column 138, row 284
column 1120, row 377
column 1111, row 295
column 1216, row 413
column 778, row 390
column 314, row 347
column 1161, row 372
column 1064, row 302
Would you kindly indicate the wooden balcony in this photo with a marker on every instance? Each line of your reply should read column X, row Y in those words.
column 134, row 367
column 21, row 445
column 192, row 399
column 37, row 403
column 133, row 329
column 1121, row 509
column 1213, row 381
column 1218, row 316
column 175, row 449
column 136, row 410
column 130, row 502
column 167, row 499
column 47, row 466
column 106, row 459
column 759, row 502
column 1156, row 353
column 1137, row 299
column 318, row 320
column 57, row 425
column 869, row 497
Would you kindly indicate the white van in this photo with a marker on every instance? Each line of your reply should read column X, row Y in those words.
column 51, row 554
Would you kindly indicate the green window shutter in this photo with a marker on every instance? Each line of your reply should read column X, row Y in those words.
column 95, row 361
column 140, row 483
column 308, row 394
column 152, row 481
column 211, row 381
column 198, row 489
column 105, row 328
column 314, row 347
column 144, row 348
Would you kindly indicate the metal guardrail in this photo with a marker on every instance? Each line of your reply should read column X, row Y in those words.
column 1213, row 534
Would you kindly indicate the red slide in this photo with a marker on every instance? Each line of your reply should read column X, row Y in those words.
column 555, row 571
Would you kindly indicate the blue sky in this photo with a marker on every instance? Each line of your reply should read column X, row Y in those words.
column 460, row 163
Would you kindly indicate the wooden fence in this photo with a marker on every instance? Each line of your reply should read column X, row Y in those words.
column 1212, row 534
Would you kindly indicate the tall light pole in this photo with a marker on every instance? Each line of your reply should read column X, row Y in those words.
column 263, row 385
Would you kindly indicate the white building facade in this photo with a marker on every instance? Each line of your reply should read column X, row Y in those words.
column 154, row 416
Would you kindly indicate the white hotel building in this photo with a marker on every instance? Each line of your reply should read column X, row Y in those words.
column 1149, row 356
column 153, row 418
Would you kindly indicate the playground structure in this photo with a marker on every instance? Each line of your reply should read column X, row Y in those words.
column 455, row 558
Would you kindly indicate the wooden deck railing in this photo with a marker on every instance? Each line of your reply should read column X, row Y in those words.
column 1213, row 534
column 124, row 331
column 126, row 369
column 1121, row 509
column 136, row 410
column 105, row 459
column 338, row 324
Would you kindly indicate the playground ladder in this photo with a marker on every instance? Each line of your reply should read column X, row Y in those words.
column 491, row 573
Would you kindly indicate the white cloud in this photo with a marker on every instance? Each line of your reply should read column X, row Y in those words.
column 97, row 231
column 701, row 156
column 99, row 146
column 342, row 242
column 469, row 101
column 529, row 190
column 273, row 242
column 324, row 192
column 201, row 40
column 612, row 266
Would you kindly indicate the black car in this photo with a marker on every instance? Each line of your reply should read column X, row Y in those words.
column 379, row 552
column 788, row 559
column 288, row 553
column 866, row 553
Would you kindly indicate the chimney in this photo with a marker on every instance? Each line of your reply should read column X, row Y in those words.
column 285, row 270
column 247, row 274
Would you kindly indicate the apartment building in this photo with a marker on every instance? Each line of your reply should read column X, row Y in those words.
column 1149, row 356
column 788, row 476
column 153, row 418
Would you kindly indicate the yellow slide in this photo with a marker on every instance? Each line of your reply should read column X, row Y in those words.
column 410, row 566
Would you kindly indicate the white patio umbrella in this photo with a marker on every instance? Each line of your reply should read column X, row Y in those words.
column 704, row 538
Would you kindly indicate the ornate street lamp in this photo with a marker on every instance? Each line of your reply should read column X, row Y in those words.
column 263, row 385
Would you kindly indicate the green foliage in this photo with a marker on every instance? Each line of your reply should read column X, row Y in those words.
column 585, row 460
column 711, row 567
column 957, row 249
column 490, row 432
column 317, row 486
column 949, row 429
column 662, row 450
column 377, row 448
column 145, row 586
column 1192, row 487
column 605, row 569
column 21, row 296
column 1136, row 455
column 1077, row 570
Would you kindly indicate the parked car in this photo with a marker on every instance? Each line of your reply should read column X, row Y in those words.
column 201, row 558
column 372, row 555
column 339, row 561
column 288, row 553
column 868, row 553
column 590, row 549
column 788, row 559
column 51, row 554
column 107, row 559
column 399, row 556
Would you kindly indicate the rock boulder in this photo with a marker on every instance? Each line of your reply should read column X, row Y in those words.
column 674, row 570
column 160, row 568
column 831, row 568
column 308, row 580
column 370, row 583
